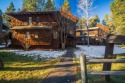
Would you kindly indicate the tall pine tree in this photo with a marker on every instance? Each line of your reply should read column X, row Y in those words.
column 33, row 5
column 105, row 20
column 10, row 8
column 30, row 5
column 94, row 21
column 49, row 5
column 118, row 16
column 66, row 5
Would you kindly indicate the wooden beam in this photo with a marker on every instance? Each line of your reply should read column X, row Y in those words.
column 117, row 39
column 106, row 72
column 106, row 60
column 83, row 68
column 108, row 55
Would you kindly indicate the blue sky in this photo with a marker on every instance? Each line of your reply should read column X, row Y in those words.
column 102, row 6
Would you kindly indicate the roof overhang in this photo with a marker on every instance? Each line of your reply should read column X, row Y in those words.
column 31, row 27
column 84, row 29
column 62, row 12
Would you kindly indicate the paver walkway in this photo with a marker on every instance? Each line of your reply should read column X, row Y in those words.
column 64, row 72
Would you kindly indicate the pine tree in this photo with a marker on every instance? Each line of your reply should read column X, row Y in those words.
column 40, row 5
column 19, row 10
column 66, row 5
column 94, row 21
column 10, row 8
column 30, row 5
column 33, row 5
column 49, row 5
column 105, row 20
column 118, row 16
column 82, row 23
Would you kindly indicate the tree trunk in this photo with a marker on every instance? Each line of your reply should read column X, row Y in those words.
column 1, row 64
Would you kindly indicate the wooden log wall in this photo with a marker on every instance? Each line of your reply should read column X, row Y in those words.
column 23, row 21
column 44, row 37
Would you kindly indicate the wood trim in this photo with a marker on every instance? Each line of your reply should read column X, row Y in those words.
column 117, row 39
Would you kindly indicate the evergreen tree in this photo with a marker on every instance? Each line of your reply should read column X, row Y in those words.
column 5, row 17
column 82, row 23
column 30, row 5
column 118, row 14
column 19, row 10
column 10, row 8
column 94, row 21
column 40, row 5
column 49, row 5
column 66, row 5
column 33, row 5
column 105, row 20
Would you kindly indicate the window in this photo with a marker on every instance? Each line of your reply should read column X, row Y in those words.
column 12, row 35
column 82, row 39
column 82, row 32
column 55, row 35
column 36, row 35
column 30, row 20
column 28, row 35
column 71, row 31
column 37, row 21
column 86, row 39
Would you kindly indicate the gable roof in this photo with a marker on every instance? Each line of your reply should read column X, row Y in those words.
column 62, row 12
column 103, row 27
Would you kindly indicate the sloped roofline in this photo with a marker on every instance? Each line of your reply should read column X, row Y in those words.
column 66, row 14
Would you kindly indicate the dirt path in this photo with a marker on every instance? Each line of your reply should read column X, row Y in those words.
column 64, row 72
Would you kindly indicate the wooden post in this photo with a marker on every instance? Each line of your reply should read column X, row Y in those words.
column 83, row 68
column 108, row 55
column 1, row 63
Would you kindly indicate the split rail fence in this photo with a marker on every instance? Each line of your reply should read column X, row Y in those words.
column 107, row 61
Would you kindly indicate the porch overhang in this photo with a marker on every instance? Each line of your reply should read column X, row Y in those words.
column 31, row 27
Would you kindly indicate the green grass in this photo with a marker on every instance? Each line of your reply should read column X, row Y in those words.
column 99, row 67
column 24, row 69
column 122, row 46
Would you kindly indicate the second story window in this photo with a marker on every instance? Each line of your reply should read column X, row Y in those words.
column 28, row 35
column 30, row 20
column 55, row 35
column 37, row 21
column 36, row 35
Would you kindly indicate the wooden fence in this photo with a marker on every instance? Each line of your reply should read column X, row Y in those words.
column 108, row 59
column 84, row 71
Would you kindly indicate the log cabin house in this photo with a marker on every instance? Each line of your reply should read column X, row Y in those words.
column 97, row 35
column 46, row 29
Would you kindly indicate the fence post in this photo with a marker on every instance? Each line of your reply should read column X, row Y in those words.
column 83, row 68
column 108, row 55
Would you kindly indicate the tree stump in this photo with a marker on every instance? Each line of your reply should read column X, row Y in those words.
column 1, row 64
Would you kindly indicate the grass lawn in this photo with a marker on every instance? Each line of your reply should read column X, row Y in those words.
column 123, row 46
column 98, row 67
column 24, row 69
